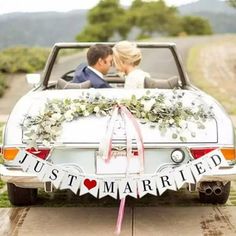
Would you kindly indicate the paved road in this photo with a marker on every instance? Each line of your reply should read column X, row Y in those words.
column 161, row 221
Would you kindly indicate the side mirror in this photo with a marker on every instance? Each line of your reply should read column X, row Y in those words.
column 33, row 79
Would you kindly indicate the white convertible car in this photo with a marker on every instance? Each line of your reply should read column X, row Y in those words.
column 117, row 141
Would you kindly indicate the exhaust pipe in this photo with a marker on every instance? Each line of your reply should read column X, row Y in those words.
column 217, row 190
column 206, row 188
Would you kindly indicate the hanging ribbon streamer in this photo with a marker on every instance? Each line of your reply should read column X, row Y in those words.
column 120, row 216
column 105, row 149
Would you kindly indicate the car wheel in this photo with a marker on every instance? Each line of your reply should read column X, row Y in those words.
column 21, row 196
column 218, row 194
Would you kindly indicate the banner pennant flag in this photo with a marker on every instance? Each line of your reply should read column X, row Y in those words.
column 146, row 185
column 127, row 187
column 165, row 181
column 108, row 187
column 71, row 180
column 89, row 185
column 183, row 175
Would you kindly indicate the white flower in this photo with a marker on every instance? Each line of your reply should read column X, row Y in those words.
column 73, row 107
column 86, row 113
column 55, row 131
column 47, row 128
column 56, row 108
column 83, row 107
column 55, row 117
column 68, row 116
column 148, row 105
column 96, row 109
column 46, row 143
column 171, row 121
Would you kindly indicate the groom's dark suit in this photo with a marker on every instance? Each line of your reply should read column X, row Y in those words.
column 83, row 73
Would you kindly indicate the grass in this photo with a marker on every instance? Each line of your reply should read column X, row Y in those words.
column 4, row 201
column 3, row 84
column 1, row 130
column 194, row 65
column 2, row 184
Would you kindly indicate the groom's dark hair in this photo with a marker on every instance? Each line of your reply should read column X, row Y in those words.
column 98, row 51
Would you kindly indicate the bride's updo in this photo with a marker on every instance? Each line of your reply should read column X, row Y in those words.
column 125, row 52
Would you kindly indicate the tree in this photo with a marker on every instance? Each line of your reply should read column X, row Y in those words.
column 232, row 3
column 152, row 17
column 194, row 25
column 108, row 18
column 104, row 20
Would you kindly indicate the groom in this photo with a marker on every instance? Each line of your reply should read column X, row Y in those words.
column 99, row 57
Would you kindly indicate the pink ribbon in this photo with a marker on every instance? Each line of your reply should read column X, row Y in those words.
column 120, row 216
column 105, row 148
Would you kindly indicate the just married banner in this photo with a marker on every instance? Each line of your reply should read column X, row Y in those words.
column 68, row 177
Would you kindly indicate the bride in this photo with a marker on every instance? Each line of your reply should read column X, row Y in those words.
column 127, row 56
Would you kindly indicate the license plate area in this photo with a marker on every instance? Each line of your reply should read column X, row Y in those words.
column 118, row 163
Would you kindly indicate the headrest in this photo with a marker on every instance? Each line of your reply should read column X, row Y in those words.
column 62, row 84
column 161, row 83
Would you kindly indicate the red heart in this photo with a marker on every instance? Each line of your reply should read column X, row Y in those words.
column 90, row 183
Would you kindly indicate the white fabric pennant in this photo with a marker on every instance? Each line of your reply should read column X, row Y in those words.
column 127, row 187
column 165, row 181
column 89, row 185
column 71, row 180
column 25, row 162
column 18, row 157
column 37, row 166
column 108, row 187
column 147, row 185
column 199, row 168
column 183, row 175
column 54, row 174
column 215, row 159
column 42, row 173
column 23, row 159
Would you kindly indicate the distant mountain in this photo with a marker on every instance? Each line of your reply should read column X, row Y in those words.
column 40, row 29
column 44, row 29
column 221, row 17
column 213, row 6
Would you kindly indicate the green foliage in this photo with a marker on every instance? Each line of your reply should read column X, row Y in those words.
column 108, row 19
column 22, row 59
column 105, row 20
column 4, row 201
column 152, row 17
column 152, row 109
column 3, row 84
column 232, row 3
column 194, row 25
column 1, row 130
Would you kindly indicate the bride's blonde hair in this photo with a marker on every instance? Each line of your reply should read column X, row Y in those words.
column 125, row 52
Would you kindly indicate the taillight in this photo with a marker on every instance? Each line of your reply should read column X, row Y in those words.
column 9, row 154
column 229, row 153
column 40, row 153
column 199, row 152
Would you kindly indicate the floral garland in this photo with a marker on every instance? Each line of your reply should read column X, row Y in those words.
column 157, row 110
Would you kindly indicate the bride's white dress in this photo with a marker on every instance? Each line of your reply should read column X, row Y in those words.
column 135, row 79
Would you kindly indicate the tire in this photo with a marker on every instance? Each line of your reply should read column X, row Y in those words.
column 21, row 196
column 213, row 198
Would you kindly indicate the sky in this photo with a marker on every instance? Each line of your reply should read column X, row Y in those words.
column 8, row 6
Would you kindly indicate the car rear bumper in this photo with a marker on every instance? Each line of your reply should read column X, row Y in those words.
column 19, row 177
column 222, row 174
